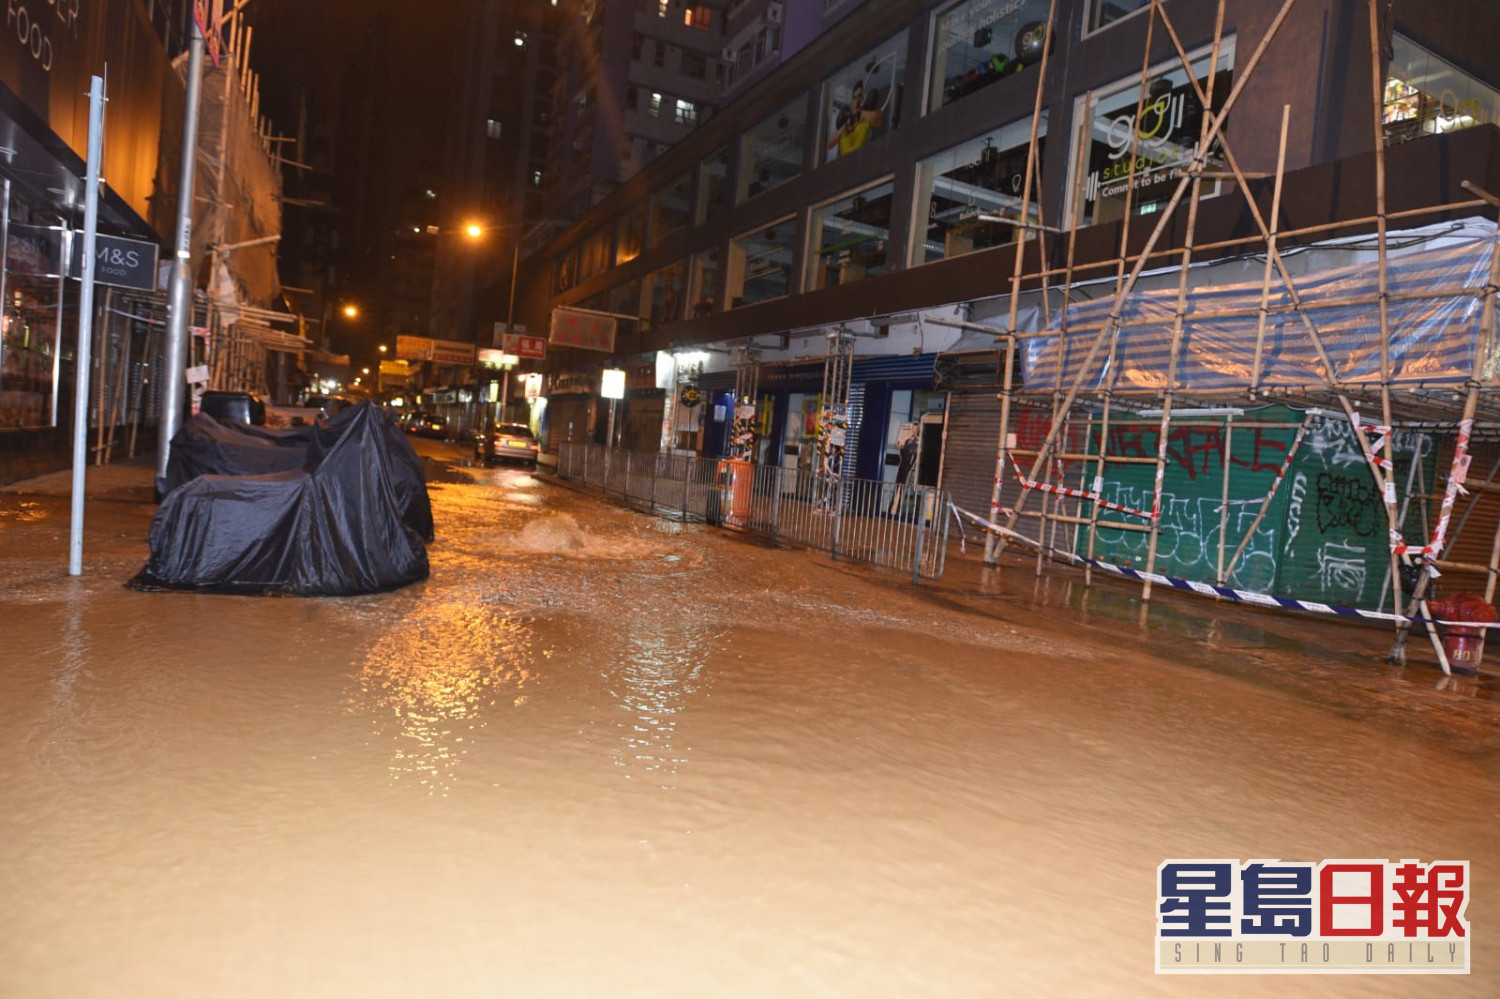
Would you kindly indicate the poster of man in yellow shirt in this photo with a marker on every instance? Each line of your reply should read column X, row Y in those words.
column 855, row 123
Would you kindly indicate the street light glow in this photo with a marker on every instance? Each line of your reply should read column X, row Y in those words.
column 474, row 230
column 382, row 348
column 351, row 310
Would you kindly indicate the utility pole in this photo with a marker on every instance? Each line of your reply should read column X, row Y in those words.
column 179, row 290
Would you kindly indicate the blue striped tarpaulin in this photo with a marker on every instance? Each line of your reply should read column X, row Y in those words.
column 1434, row 309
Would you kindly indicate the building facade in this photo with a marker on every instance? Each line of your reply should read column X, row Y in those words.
column 887, row 169
column 48, row 53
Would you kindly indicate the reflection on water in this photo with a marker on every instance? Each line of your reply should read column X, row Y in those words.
column 432, row 682
column 653, row 679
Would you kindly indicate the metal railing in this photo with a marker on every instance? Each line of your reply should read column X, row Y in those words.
column 895, row 526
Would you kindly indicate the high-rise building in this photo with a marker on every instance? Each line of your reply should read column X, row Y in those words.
column 633, row 79
column 489, row 194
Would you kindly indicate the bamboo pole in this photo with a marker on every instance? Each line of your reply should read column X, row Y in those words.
column 1377, row 91
column 1194, row 200
column 1227, row 459
column 1008, row 388
column 1265, row 504
column 1265, row 281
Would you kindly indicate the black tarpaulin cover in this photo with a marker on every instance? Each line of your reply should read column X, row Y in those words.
column 337, row 523
column 204, row 446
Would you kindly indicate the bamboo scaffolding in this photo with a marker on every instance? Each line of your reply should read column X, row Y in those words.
column 1015, row 287
column 1486, row 334
column 1423, row 404
column 1174, row 352
column 1215, row 127
column 1286, row 236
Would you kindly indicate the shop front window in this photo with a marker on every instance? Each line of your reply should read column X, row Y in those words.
column 968, row 196
column 862, row 101
column 850, row 237
column 665, row 289
column 713, row 185
column 669, row 207
column 760, row 265
column 978, row 42
column 30, row 327
column 630, row 229
column 707, row 267
column 1165, row 139
column 1104, row 12
column 1425, row 95
column 771, row 152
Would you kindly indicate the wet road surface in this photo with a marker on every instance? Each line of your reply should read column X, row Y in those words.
column 604, row 754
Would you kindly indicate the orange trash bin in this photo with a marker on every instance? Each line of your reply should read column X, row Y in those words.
column 736, row 479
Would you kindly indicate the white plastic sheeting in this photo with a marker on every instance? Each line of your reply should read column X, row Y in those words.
column 1436, row 278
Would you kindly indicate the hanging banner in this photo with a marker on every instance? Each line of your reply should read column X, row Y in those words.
column 413, row 348
column 534, row 347
column 452, row 352
column 582, row 329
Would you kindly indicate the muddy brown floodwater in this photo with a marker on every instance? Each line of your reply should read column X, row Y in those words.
column 603, row 754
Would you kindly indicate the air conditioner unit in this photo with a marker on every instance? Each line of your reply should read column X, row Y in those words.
column 727, row 55
column 773, row 13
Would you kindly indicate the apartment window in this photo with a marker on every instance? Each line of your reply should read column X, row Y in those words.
column 1164, row 139
column 668, row 207
column 659, row 59
column 630, row 230
column 1425, row 95
column 964, row 194
column 694, row 64
column 1102, row 12
column 685, row 112
column 536, row 178
column 771, row 152
column 713, row 185
column 637, row 44
column 850, row 237
column 861, row 102
column 655, row 108
column 760, row 264
column 699, row 17
column 492, row 128
column 631, row 99
column 980, row 41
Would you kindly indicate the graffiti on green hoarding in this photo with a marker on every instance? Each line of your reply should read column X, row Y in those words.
column 1323, row 536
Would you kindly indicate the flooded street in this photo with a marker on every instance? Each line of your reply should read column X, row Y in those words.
column 599, row 753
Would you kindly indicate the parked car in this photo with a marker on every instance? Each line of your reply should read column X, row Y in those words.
column 331, row 405
column 506, row 442
column 243, row 407
column 427, row 425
